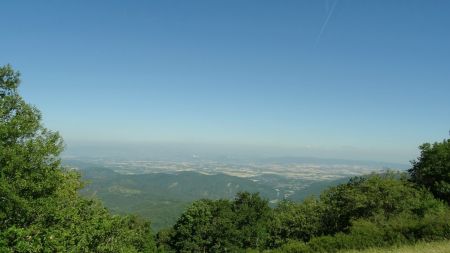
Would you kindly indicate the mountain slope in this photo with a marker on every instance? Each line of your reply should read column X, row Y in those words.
column 161, row 197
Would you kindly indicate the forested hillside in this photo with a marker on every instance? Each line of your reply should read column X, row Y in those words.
column 162, row 197
column 41, row 209
column 371, row 211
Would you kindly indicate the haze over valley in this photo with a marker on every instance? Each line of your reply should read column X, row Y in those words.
column 160, row 188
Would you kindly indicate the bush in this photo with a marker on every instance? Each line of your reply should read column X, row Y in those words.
column 296, row 221
column 365, row 197
column 432, row 169
column 293, row 247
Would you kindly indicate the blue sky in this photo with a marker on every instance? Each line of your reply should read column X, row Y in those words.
column 347, row 79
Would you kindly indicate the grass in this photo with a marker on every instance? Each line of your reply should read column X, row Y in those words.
column 431, row 247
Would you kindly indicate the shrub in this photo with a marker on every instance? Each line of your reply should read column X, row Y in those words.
column 432, row 169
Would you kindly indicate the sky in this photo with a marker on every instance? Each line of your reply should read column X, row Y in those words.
column 337, row 78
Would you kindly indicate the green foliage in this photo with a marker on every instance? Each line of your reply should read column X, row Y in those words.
column 420, row 247
column 221, row 225
column 40, row 210
column 296, row 221
column 292, row 247
column 91, row 229
column 372, row 211
column 207, row 226
column 403, row 215
column 252, row 214
column 432, row 169
column 379, row 232
column 29, row 160
column 364, row 197
column 163, row 239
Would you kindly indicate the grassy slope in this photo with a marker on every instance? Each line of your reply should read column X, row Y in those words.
column 433, row 247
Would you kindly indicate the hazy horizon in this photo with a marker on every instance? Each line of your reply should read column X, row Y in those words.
column 331, row 79
column 219, row 151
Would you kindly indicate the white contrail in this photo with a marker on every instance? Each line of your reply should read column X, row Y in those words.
column 325, row 23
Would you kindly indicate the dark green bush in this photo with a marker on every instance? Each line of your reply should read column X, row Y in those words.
column 432, row 169
column 365, row 197
column 296, row 221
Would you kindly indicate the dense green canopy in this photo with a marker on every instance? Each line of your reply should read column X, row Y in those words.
column 432, row 169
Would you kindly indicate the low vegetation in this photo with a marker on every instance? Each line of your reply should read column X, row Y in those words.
column 371, row 211
column 41, row 210
column 429, row 247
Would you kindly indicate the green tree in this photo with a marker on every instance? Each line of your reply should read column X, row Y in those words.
column 364, row 197
column 223, row 225
column 206, row 226
column 432, row 169
column 40, row 209
column 29, row 163
column 296, row 221
column 252, row 214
